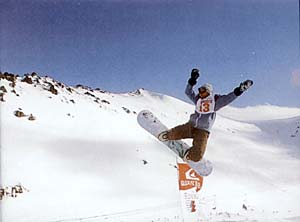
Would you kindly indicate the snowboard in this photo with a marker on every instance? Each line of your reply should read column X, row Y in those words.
column 152, row 124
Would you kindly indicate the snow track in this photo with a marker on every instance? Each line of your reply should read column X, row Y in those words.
column 162, row 213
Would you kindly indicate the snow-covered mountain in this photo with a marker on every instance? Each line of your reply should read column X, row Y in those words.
column 82, row 156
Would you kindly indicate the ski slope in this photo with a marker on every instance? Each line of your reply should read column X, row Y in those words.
column 85, row 158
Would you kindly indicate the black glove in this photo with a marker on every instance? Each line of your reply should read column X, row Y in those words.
column 194, row 76
column 243, row 87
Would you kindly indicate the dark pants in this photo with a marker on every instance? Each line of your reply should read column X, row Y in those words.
column 199, row 136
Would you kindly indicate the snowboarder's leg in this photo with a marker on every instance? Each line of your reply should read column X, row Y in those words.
column 179, row 132
column 196, row 152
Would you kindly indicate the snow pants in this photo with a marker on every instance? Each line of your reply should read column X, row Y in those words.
column 199, row 136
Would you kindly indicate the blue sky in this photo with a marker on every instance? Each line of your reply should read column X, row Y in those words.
column 123, row 45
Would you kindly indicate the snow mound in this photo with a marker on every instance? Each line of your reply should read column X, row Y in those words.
column 260, row 112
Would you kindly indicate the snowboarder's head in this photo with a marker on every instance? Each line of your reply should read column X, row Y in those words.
column 205, row 90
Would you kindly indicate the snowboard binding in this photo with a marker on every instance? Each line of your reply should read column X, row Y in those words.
column 163, row 136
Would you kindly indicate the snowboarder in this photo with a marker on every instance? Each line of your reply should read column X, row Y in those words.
column 199, row 126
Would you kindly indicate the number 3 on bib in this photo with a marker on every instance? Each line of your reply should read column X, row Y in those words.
column 206, row 105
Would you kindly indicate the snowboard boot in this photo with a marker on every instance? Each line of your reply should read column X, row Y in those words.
column 163, row 136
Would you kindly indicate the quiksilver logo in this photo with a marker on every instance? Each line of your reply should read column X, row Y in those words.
column 188, row 178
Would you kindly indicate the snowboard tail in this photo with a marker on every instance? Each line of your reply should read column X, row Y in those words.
column 152, row 124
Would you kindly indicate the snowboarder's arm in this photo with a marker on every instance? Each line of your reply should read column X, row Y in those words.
column 191, row 82
column 224, row 100
column 190, row 93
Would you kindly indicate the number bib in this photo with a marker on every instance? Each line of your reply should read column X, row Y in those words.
column 206, row 105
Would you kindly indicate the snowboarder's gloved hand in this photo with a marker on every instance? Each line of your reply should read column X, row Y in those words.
column 194, row 76
column 243, row 87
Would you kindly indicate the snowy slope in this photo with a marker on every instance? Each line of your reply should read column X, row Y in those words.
column 85, row 156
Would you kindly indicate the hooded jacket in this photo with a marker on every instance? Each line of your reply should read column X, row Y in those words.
column 205, row 109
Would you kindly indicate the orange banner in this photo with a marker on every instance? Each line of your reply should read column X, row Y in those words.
column 188, row 178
